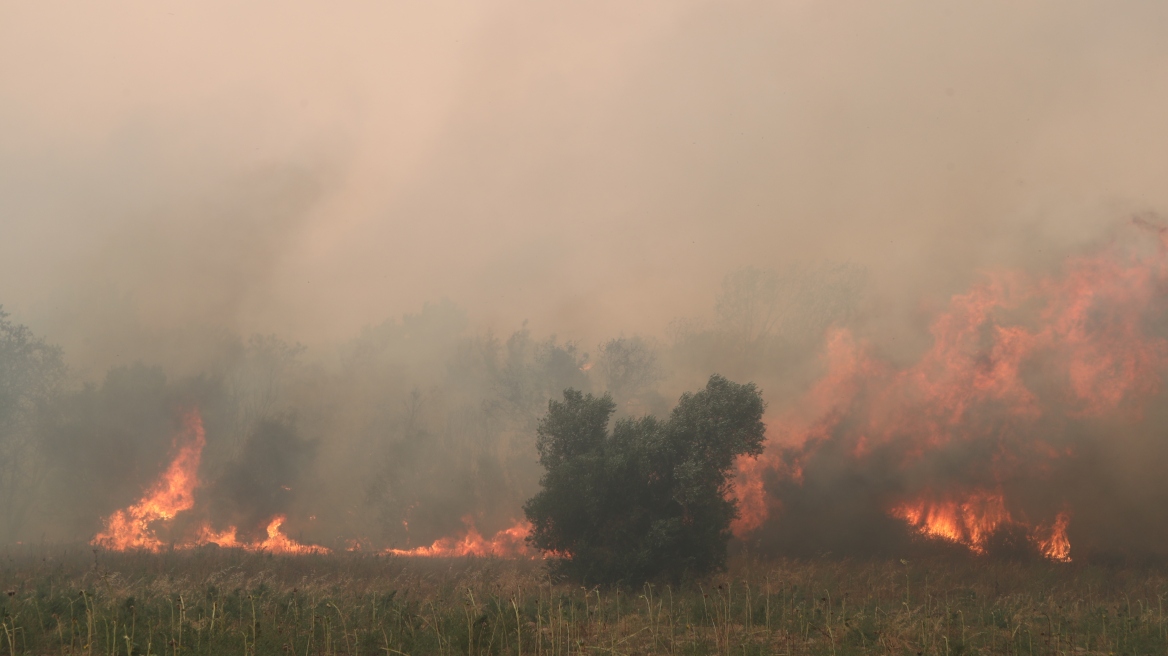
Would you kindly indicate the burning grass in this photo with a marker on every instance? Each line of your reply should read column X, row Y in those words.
column 58, row 600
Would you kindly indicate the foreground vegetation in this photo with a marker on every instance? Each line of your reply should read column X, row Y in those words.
column 77, row 601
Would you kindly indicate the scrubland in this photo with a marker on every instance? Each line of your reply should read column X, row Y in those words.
column 74, row 600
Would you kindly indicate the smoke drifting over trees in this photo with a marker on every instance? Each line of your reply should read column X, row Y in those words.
column 405, row 432
column 1001, row 436
column 370, row 243
column 30, row 373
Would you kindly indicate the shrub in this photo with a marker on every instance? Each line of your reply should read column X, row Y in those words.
column 650, row 499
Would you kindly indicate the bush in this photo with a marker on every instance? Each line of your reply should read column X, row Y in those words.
column 650, row 500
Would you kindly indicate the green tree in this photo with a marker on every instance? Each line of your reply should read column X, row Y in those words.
column 650, row 499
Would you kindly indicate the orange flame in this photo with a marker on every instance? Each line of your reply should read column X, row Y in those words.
column 279, row 543
column 1086, row 328
column 508, row 543
column 970, row 522
column 751, row 498
column 174, row 492
column 847, row 364
column 1056, row 546
column 276, row 542
column 226, row 539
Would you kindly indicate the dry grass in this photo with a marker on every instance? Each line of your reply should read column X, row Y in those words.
column 58, row 600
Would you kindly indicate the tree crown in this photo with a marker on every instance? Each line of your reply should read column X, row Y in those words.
column 650, row 499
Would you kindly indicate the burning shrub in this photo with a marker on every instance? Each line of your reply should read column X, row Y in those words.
column 649, row 500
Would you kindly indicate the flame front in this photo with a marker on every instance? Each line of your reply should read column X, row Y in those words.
column 970, row 521
column 174, row 492
column 133, row 528
column 959, row 435
column 1055, row 544
column 276, row 542
column 973, row 521
column 508, row 543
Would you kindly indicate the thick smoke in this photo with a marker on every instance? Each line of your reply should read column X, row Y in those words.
column 257, row 212
column 413, row 430
column 1029, row 416
column 1034, row 411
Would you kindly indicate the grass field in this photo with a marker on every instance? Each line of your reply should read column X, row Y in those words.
column 72, row 600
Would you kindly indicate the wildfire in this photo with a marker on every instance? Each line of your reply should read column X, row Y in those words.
column 276, row 542
column 174, row 492
column 1013, row 361
column 750, row 496
column 973, row 521
column 508, row 543
column 226, row 539
column 970, row 522
column 1055, row 545
column 136, row 526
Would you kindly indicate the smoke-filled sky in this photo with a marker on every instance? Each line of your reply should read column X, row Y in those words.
column 307, row 169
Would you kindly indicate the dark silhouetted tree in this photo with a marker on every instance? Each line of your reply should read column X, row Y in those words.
column 650, row 499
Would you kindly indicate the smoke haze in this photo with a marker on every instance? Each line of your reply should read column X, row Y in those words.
column 369, row 242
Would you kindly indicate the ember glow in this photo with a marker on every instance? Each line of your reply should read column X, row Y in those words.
column 508, row 543
column 969, row 441
column 135, row 527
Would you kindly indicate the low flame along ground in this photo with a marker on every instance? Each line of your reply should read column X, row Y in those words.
column 976, row 361
column 975, row 520
column 173, row 493
column 133, row 528
column 509, row 543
